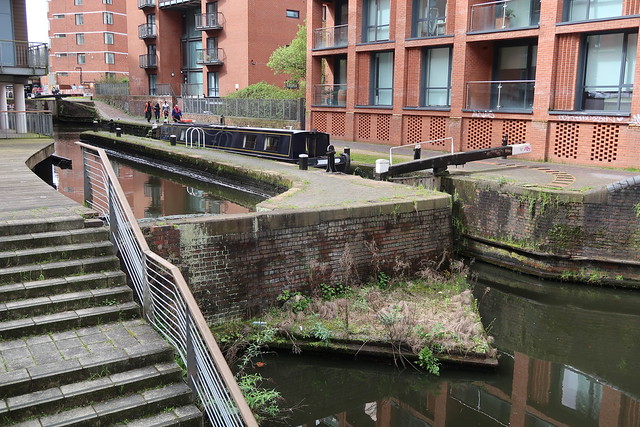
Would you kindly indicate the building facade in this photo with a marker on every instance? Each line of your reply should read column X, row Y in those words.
column 557, row 74
column 207, row 48
column 88, row 42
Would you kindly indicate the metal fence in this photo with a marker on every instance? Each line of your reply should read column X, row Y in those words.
column 279, row 109
column 115, row 89
column 166, row 299
column 13, row 123
column 15, row 53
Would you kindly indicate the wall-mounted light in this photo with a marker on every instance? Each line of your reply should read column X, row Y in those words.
column 253, row 62
column 173, row 74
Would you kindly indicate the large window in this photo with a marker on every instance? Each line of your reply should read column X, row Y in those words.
column 610, row 62
column 436, row 77
column 582, row 10
column 429, row 18
column 514, row 77
column 377, row 17
column 213, row 84
column 382, row 78
column 153, row 84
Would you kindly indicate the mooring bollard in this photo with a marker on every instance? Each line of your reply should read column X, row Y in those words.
column 331, row 159
column 347, row 151
column 417, row 151
column 112, row 126
column 303, row 162
column 382, row 167
column 118, row 132
column 172, row 139
column 505, row 142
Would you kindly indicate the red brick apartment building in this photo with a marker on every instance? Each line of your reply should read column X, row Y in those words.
column 557, row 74
column 207, row 48
column 88, row 41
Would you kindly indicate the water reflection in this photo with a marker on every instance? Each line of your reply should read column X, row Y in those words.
column 570, row 357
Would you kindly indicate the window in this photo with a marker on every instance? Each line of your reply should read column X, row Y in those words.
column 377, row 15
column 79, row 19
column 81, row 58
column 293, row 13
column 80, row 38
column 514, row 77
column 382, row 79
column 429, row 18
column 109, row 58
column 153, row 84
column 108, row 38
column 61, row 54
column 109, row 76
column 62, row 74
column 59, row 36
column 107, row 18
column 107, row 1
column 582, row 10
column 213, row 84
column 436, row 77
column 271, row 143
column 77, row 2
column 609, row 65
column 249, row 142
column 58, row 16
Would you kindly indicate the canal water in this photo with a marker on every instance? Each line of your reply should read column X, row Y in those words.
column 154, row 191
column 569, row 355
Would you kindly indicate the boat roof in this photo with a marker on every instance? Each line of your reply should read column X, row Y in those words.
column 245, row 128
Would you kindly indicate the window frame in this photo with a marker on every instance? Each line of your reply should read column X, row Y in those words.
column 374, row 76
column 81, row 59
column 292, row 13
column 77, row 2
column 106, row 35
column 107, row 18
column 566, row 11
column 108, row 55
column 79, row 18
column 368, row 26
column 79, row 39
column 213, row 90
column 424, row 77
column 417, row 21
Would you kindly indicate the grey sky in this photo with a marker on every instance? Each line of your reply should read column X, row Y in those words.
column 37, row 22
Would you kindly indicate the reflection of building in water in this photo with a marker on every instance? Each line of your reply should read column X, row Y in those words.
column 541, row 394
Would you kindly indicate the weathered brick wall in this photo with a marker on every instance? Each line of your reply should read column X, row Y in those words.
column 579, row 235
column 239, row 265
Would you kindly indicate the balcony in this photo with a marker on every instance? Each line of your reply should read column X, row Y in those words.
column 149, row 61
column 147, row 31
column 210, row 56
column 23, row 58
column 178, row 4
column 209, row 21
column 330, row 37
column 143, row 4
column 504, row 15
column 511, row 95
column 330, row 95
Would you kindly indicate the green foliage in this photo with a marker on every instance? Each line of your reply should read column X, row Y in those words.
column 329, row 292
column 383, row 281
column 263, row 90
column 636, row 208
column 319, row 332
column 262, row 401
column 428, row 361
column 294, row 300
column 291, row 59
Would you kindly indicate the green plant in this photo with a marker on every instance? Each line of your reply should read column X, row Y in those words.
column 294, row 300
column 636, row 208
column 329, row 292
column 428, row 361
column 383, row 281
column 262, row 401
column 318, row 331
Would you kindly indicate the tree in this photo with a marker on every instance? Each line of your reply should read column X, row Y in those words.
column 291, row 59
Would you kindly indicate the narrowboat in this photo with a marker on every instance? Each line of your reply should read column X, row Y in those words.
column 277, row 144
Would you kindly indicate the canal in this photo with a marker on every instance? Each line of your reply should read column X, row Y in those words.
column 569, row 354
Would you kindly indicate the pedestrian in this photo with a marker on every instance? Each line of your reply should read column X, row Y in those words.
column 176, row 113
column 165, row 110
column 156, row 111
column 147, row 111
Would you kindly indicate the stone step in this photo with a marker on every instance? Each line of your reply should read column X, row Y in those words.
column 110, row 356
column 64, row 302
column 55, row 253
column 136, row 405
column 184, row 416
column 67, row 320
column 99, row 388
column 53, row 238
column 39, row 288
column 40, row 225
column 39, row 272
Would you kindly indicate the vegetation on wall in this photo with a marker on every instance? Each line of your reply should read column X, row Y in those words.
column 264, row 90
column 292, row 58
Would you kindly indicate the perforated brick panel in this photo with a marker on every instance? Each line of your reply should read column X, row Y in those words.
column 604, row 143
column 320, row 121
column 414, row 129
column 565, row 144
column 438, row 129
column 364, row 126
column 338, row 124
column 479, row 134
column 516, row 131
column 382, row 127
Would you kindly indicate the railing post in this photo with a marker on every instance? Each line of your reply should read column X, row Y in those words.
column 192, row 372
column 87, row 185
column 147, row 303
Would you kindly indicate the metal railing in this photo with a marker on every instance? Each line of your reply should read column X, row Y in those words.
column 14, row 53
column 210, row 56
column 147, row 31
column 330, row 37
column 146, row 3
column 14, row 122
column 330, row 95
column 148, row 61
column 165, row 297
column 278, row 109
column 209, row 21
column 111, row 88
column 441, row 141
column 498, row 95
column 504, row 14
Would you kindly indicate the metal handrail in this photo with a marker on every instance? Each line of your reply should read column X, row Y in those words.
column 418, row 145
column 167, row 301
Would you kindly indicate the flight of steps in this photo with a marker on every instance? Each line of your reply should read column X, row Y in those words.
column 73, row 348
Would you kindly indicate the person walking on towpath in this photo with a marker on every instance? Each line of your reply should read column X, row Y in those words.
column 156, row 111
column 176, row 113
column 147, row 111
column 165, row 110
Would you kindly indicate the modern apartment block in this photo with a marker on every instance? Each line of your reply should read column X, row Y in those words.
column 207, row 48
column 88, row 41
column 559, row 74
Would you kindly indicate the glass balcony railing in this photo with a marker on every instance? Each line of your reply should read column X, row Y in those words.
column 23, row 57
column 330, row 37
column 330, row 95
column 193, row 90
column 149, row 61
column 209, row 21
column 210, row 56
column 511, row 95
column 146, row 3
column 147, row 31
column 504, row 14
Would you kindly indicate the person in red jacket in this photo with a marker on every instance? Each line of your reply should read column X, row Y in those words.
column 176, row 113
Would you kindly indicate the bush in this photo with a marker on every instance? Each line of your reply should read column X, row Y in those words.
column 264, row 90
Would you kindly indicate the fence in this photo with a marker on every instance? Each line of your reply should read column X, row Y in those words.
column 13, row 123
column 277, row 109
column 166, row 299
column 113, row 89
